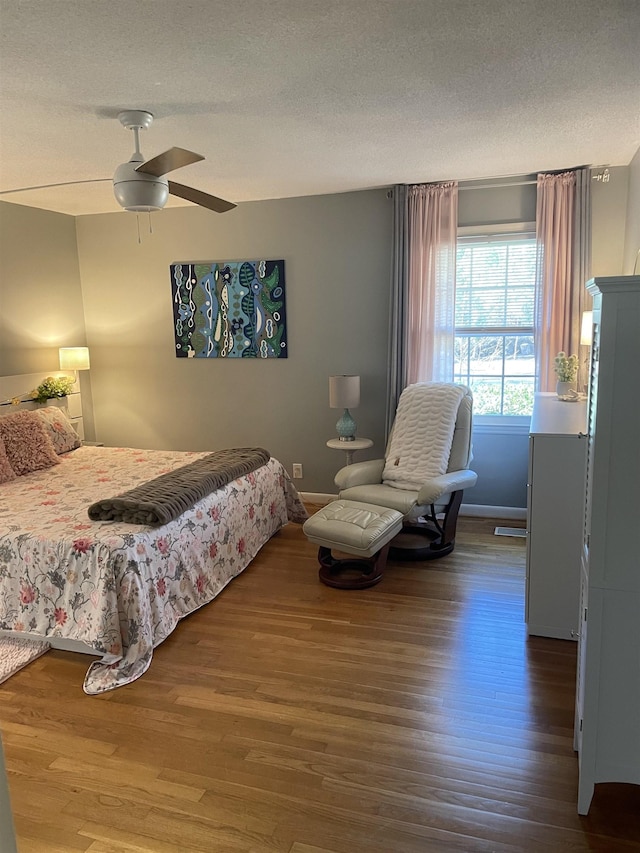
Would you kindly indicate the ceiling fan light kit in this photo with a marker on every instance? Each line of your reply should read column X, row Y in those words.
column 136, row 191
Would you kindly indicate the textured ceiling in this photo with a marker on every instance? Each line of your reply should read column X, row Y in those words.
column 297, row 97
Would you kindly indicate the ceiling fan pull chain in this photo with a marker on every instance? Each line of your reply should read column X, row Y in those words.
column 138, row 223
column 150, row 225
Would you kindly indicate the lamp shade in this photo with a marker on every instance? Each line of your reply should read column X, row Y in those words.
column 344, row 392
column 586, row 329
column 74, row 358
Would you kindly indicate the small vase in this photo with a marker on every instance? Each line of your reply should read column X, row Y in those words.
column 565, row 390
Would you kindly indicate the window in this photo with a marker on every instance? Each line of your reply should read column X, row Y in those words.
column 494, row 355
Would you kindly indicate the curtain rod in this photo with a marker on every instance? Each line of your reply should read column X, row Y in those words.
column 497, row 185
column 521, row 181
column 526, row 180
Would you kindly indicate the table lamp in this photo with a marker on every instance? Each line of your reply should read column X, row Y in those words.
column 74, row 358
column 586, row 329
column 586, row 340
column 344, row 393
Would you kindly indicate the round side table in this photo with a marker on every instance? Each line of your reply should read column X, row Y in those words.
column 349, row 447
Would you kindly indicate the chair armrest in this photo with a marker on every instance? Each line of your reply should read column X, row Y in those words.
column 360, row 474
column 453, row 481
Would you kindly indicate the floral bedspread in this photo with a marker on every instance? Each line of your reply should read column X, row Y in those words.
column 122, row 588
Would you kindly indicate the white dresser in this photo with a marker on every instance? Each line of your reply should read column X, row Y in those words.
column 607, row 732
column 555, row 513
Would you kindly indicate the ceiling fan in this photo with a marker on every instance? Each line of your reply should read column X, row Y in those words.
column 139, row 184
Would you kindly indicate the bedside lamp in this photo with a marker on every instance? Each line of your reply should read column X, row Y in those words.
column 74, row 358
column 344, row 393
column 586, row 340
column 586, row 329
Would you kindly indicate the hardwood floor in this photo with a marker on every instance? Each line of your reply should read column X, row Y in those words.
column 411, row 717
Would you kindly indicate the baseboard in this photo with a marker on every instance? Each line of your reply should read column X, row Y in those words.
column 477, row 510
column 484, row 511
column 318, row 498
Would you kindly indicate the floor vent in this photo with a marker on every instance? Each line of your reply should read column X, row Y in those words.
column 510, row 531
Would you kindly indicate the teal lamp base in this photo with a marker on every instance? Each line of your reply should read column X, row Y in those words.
column 346, row 427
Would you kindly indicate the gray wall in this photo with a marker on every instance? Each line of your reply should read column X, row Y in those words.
column 631, row 262
column 500, row 461
column 608, row 216
column 337, row 261
column 493, row 206
column 40, row 293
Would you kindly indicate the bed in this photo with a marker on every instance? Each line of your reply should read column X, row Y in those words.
column 114, row 589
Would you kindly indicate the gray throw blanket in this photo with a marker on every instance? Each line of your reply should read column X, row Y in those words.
column 164, row 498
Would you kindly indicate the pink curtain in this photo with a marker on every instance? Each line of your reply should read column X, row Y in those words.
column 432, row 233
column 560, row 292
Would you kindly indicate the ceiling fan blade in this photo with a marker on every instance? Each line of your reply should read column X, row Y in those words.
column 211, row 202
column 51, row 186
column 169, row 160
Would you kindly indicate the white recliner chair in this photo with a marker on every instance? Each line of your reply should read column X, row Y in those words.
column 425, row 469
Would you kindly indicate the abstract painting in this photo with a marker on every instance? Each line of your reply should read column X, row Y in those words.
column 229, row 309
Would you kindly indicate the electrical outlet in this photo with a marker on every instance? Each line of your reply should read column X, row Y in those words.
column 297, row 471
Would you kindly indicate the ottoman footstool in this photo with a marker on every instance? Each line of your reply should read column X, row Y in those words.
column 361, row 529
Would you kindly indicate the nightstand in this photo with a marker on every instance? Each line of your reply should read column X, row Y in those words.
column 349, row 447
column 93, row 443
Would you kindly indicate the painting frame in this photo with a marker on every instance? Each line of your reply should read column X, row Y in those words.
column 229, row 309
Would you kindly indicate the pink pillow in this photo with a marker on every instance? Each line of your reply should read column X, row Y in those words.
column 59, row 429
column 6, row 471
column 27, row 445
